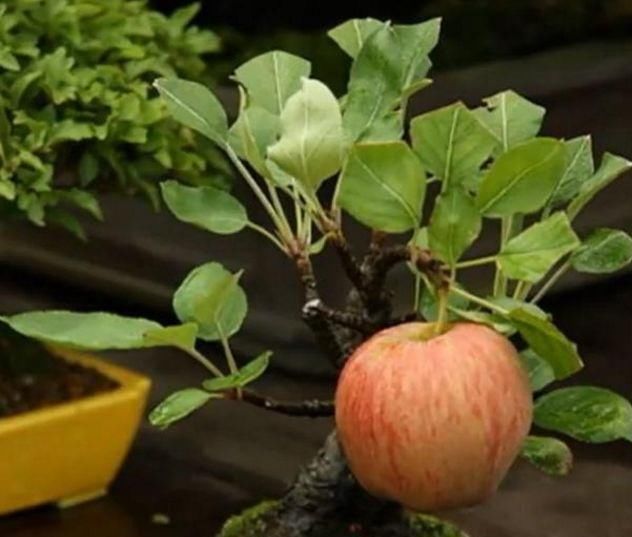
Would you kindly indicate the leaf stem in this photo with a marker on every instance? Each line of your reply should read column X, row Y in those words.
column 476, row 262
column 481, row 301
column 263, row 231
column 519, row 290
column 204, row 361
column 552, row 280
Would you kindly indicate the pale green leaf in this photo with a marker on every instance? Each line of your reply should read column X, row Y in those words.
column 530, row 255
column 451, row 143
column 522, row 179
column 550, row 455
column 585, row 413
column 383, row 186
column 246, row 374
column 272, row 78
column 178, row 406
column 604, row 251
column 612, row 166
column 579, row 168
column 195, row 106
column 547, row 341
column 211, row 297
column 351, row 35
column 94, row 331
column 454, row 225
column 206, row 207
column 541, row 373
column 311, row 144
column 512, row 118
column 182, row 336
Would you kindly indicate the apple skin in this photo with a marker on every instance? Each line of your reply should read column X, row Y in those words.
column 433, row 422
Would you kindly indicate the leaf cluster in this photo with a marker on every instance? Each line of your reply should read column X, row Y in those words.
column 77, row 113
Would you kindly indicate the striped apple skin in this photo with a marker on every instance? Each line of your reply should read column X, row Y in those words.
column 433, row 423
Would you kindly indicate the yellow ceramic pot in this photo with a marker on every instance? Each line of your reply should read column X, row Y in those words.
column 70, row 452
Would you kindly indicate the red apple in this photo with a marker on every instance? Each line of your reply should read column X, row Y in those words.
column 433, row 422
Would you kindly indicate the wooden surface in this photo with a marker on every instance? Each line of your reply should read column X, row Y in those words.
column 230, row 455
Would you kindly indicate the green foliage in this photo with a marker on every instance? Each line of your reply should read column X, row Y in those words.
column 76, row 104
column 211, row 297
column 382, row 186
column 604, row 251
column 586, row 413
column 240, row 379
column 178, row 406
column 550, row 455
column 541, row 373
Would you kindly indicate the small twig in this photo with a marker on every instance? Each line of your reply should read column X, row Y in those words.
column 312, row 408
column 352, row 267
column 348, row 319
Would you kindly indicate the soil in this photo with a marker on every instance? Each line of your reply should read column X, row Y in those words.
column 31, row 377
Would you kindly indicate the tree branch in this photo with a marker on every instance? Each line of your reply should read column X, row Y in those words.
column 312, row 408
column 348, row 319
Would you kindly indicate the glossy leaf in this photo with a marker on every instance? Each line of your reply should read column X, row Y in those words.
column 531, row 254
column 550, row 455
column 182, row 336
column 211, row 297
column 351, row 35
column 612, row 166
column 512, row 118
column 91, row 331
column 311, row 144
column 579, row 168
column 246, row 374
column 178, row 406
column 383, row 186
column 522, row 179
column 272, row 78
column 547, row 341
column 195, row 106
column 451, row 143
column 454, row 225
column 541, row 373
column 205, row 207
column 604, row 251
column 585, row 413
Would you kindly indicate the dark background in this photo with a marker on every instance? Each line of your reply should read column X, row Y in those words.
column 572, row 56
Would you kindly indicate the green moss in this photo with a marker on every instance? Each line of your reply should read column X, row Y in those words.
column 429, row 526
column 248, row 523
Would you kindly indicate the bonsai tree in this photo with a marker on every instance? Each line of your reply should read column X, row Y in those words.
column 76, row 108
column 434, row 402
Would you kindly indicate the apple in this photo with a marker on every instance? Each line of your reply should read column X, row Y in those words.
column 433, row 422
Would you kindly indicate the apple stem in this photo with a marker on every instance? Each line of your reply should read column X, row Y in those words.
column 442, row 319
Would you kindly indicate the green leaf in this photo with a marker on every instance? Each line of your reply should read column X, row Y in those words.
column 531, row 254
column 604, row 251
column 93, row 331
column 178, row 406
column 550, row 455
column 8, row 60
column 454, row 225
column 182, row 336
column 272, row 78
column 5, row 137
column 211, row 297
column 84, row 200
column 451, row 143
column 246, row 374
column 522, row 179
column 206, row 207
column 547, row 341
column 382, row 186
column 88, row 168
column 541, row 373
column 255, row 129
column 429, row 308
column 512, row 118
column 612, row 166
column 311, row 144
column 585, row 413
column 195, row 106
column 579, row 169
column 351, row 35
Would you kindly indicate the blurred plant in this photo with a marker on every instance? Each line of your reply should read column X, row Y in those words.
column 76, row 110
column 479, row 166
